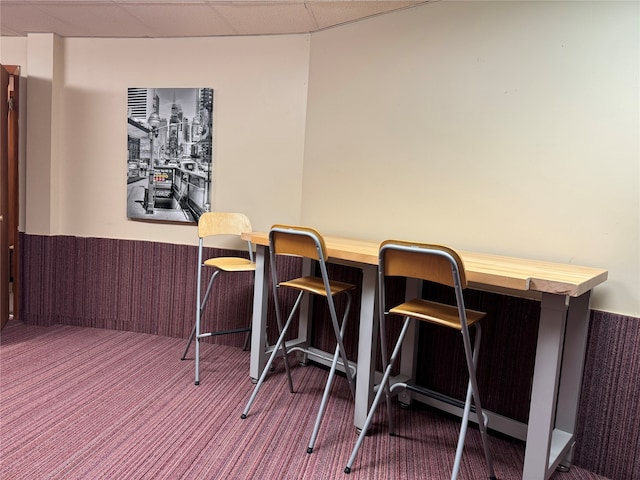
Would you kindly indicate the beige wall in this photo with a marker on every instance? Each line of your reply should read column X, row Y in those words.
column 504, row 127
column 507, row 127
column 77, row 150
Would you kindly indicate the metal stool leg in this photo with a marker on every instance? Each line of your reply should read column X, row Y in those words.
column 199, row 310
column 186, row 350
column 247, row 338
column 332, row 372
column 323, row 403
column 482, row 418
column 280, row 343
column 472, row 392
column 199, row 307
column 463, row 433
column 339, row 333
column 383, row 353
column 382, row 389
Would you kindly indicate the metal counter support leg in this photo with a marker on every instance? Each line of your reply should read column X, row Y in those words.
column 575, row 347
column 562, row 340
column 545, row 384
column 259, row 319
column 367, row 346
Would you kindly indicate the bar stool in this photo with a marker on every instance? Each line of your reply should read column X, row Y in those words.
column 444, row 266
column 307, row 243
column 217, row 224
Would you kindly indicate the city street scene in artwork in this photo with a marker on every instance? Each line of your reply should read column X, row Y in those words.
column 169, row 162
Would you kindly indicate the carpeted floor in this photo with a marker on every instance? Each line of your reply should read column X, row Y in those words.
column 81, row 403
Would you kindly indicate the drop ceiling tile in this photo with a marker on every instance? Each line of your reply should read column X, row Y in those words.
column 331, row 13
column 94, row 20
column 28, row 19
column 183, row 18
column 272, row 18
column 177, row 20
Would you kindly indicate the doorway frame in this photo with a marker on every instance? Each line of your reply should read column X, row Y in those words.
column 9, row 191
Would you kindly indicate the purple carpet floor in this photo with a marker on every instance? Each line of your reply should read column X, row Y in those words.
column 83, row 403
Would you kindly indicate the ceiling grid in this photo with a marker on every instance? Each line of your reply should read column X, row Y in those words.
column 184, row 18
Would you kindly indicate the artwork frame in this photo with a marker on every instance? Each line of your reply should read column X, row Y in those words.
column 169, row 153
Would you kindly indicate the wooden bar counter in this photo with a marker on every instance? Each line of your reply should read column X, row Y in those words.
column 564, row 292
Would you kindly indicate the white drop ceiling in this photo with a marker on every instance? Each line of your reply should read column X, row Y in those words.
column 184, row 18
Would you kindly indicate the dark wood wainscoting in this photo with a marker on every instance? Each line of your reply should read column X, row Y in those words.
column 150, row 287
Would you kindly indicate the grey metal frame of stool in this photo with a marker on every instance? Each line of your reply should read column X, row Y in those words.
column 442, row 265
column 308, row 243
column 218, row 224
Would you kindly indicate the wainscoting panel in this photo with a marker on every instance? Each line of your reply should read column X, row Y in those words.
column 149, row 287
column 608, row 433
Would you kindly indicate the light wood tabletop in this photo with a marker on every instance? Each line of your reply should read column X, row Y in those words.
column 482, row 269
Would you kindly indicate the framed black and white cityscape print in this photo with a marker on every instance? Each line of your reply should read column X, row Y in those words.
column 170, row 153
